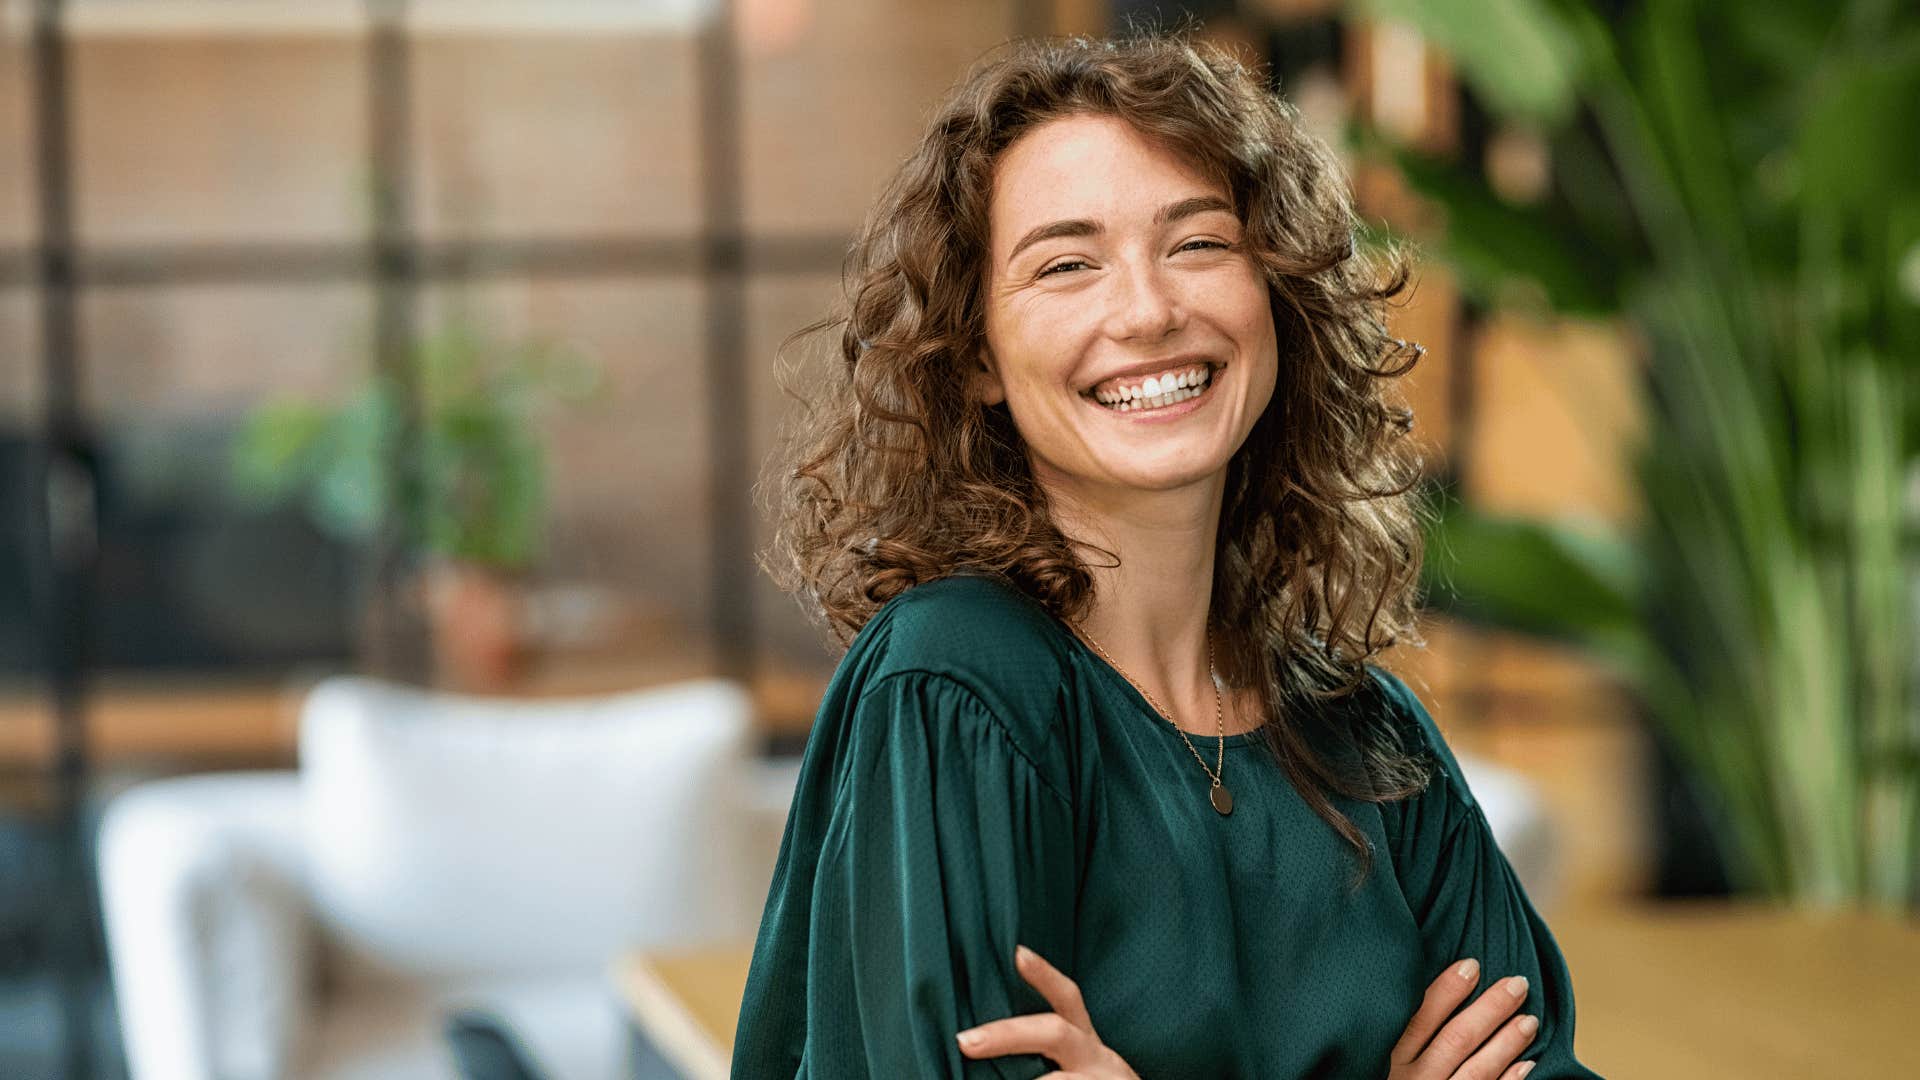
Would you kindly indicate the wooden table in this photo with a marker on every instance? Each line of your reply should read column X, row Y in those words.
column 685, row 1003
column 1685, row 989
column 1706, row 988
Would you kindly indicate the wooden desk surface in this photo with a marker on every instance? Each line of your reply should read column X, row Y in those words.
column 1711, row 989
column 1684, row 989
column 686, row 1003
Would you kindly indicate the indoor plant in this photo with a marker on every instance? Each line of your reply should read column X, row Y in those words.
column 477, row 510
column 1740, row 184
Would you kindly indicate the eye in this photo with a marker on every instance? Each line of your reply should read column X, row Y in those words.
column 1207, row 243
column 1061, row 266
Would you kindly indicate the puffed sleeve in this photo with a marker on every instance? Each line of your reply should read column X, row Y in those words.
column 941, row 848
column 1467, row 898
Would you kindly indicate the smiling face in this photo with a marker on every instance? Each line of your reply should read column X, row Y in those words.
column 1128, row 331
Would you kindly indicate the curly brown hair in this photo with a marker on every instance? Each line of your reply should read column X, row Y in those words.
column 895, row 474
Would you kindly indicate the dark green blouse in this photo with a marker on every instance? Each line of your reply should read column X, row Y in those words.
column 978, row 778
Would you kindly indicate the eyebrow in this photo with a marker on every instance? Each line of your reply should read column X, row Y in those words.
column 1173, row 211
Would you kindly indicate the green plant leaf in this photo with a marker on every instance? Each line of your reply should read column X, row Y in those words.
column 1858, row 147
column 1519, row 55
column 1492, row 243
column 1552, row 580
column 485, row 474
column 353, row 490
column 272, row 454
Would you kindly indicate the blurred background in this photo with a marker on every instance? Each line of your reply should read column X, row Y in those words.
column 386, row 685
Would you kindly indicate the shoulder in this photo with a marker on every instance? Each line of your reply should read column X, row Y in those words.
column 981, row 633
column 1416, row 732
column 1395, row 699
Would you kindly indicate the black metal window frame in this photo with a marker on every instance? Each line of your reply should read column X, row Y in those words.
column 395, row 261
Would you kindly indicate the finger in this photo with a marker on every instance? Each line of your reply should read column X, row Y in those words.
column 1443, row 996
column 1503, row 1049
column 1061, row 992
column 1519, row 1070
column 1048, row 1034
column 1465, row 1033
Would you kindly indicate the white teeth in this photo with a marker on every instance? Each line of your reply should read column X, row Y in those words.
column 1158, row 391
column 1173, row 397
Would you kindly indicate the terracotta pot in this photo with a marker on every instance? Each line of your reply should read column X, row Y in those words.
column 479, row 626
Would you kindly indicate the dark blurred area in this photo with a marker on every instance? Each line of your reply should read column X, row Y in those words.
column 197, row 584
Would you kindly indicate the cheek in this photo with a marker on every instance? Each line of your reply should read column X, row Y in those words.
column 1253, row 305
column 1253, row 322
column 1037, row 349
column 1234, row 298
column 1256, row 336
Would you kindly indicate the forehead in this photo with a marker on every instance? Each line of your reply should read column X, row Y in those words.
column 1083, row 166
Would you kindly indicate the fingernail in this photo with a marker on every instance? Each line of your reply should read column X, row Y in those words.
column 1529, row 1024
column 968, row 1038
column 1517, row 986
column 1021, row 952
column 1469, row 969
column 1526, row 1068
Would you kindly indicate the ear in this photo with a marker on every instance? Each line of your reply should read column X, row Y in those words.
column 983, row 379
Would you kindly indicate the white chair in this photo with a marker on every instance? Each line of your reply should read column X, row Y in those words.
column 431, row 852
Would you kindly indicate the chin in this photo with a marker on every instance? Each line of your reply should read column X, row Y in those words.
column 1168, row 479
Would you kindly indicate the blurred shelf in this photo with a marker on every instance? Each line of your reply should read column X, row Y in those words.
column 256, row 722
column 127, row 720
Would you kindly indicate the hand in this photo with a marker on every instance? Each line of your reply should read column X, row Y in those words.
column 1065, row 1035
column 1446, row 1056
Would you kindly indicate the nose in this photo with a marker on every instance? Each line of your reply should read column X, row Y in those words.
column 1144, row 304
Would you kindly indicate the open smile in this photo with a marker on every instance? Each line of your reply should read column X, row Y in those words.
column 1155, row 399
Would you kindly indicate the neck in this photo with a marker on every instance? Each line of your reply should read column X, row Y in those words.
column 1150, row 612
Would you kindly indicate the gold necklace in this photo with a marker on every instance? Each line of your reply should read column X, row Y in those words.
column 1218, row 795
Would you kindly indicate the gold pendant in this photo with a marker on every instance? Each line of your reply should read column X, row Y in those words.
column 1222, row 799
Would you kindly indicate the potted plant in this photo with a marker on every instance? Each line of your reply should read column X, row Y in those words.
column 1739, row 186
column 477, row 510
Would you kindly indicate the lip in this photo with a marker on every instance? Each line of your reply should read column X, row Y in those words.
column 1154, row 367
column 1165, row 412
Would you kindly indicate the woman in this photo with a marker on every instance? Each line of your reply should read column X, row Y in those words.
column 1108, row 500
